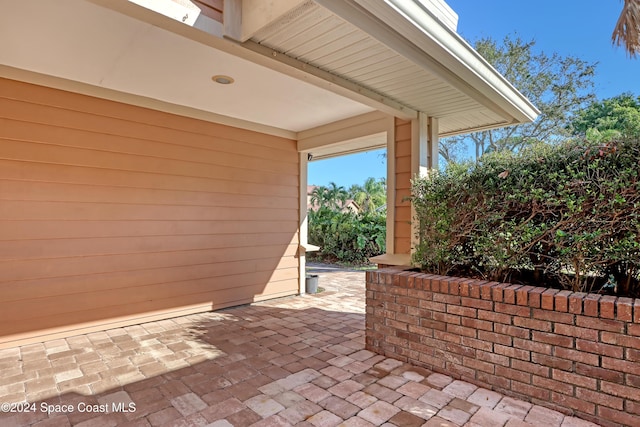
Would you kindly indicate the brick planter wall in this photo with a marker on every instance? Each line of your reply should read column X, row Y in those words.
column 573, row 352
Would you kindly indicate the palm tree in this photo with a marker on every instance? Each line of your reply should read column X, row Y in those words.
column 332, row 197
column 370, row 196
column 627, row 30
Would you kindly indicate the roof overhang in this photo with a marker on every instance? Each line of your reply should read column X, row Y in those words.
column 309, row 64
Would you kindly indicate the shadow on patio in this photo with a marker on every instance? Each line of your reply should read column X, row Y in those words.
column 293, row 361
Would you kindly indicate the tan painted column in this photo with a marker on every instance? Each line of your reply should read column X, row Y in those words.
column 416, row 152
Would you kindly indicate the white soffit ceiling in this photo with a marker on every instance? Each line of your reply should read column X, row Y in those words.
column 81, row 41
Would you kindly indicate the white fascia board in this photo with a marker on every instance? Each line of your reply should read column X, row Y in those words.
column 410, row 29
column 460, row 57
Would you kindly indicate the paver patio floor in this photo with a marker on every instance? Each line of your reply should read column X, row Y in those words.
column 297, row 361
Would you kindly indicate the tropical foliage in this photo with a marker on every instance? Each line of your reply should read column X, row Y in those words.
column 613, row 118
column 627, row 29
column 343, row 235
column 565, row 215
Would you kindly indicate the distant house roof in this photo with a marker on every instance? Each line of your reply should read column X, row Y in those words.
column 350, row 205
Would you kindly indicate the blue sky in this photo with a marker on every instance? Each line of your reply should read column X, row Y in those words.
column 580, row 28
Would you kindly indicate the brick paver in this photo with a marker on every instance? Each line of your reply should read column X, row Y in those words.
column 296, row 361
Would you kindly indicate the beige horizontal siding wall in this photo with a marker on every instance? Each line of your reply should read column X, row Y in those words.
column 402, row 231
column 112, row 214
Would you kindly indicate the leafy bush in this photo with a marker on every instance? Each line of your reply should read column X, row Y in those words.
column 564, row 215
column 345, row 236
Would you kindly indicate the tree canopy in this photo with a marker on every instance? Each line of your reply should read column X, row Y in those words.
column 617, row 117
column 558, row 85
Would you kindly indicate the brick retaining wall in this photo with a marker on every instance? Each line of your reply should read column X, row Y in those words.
column 573, row 352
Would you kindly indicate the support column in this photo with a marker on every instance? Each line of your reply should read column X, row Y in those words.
column 424, row 157
column 303, row 223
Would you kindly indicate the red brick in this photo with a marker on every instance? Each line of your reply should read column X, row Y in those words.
column 634, row 381
column 496, row 381
column 396, row 325
column 496, row 359
column 513, row 331
column 454, row 287
column 632, row 407
column 512, row 352
column 532, row 368
column 619, row 339
column 476, row 343
column 578, row 405
column 535, row 297
column 447, row 318
column 531, row 345
column 551, row 384
column 405, row 318
column 522, row 295
column 636, row 311
column 561, row 301
column 462, row 311
column 446, row 298
column 573, row 331
column 433, row 305
column 514, row 310
column 433, row 324
column 461, row 330
column 459, row 371
column 577, row 356
column 553, row 339
column 624, row 309
column 420, row 294
column 575, row 302
column 619, row 390
column 600, row 324
column 477, row 324
column 530, row 390
column 620, row 417
column 538, row 325
column 513, row 374
column 574, row 379
column 608, row 307
column 620, row 365
column 410, row 301
column 552, row 361
column 476, row 303
column 475, row 289
column 632, row 355
column 479, row 365
column 445, row 336
column 599, row 398
column 599, row 348
column 510, row 294
column 496, row 338
column 590, row 304
column 494, row 317
column 485, row 290
column 464, row 288
column 633, row 329
column 553, row 316
column 548, row 298
column 497, row 292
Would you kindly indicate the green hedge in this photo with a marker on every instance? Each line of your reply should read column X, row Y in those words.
column 347, row 237
column 563, row 215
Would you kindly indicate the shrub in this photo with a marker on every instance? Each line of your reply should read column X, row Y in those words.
column 567, row 215
column 345, row 236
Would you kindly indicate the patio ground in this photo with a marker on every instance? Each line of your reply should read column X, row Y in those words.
column 293, row 361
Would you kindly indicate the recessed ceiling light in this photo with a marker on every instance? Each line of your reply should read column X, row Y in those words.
column 222, row 79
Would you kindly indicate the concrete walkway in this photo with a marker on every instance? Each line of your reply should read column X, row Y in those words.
column 297, row 361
